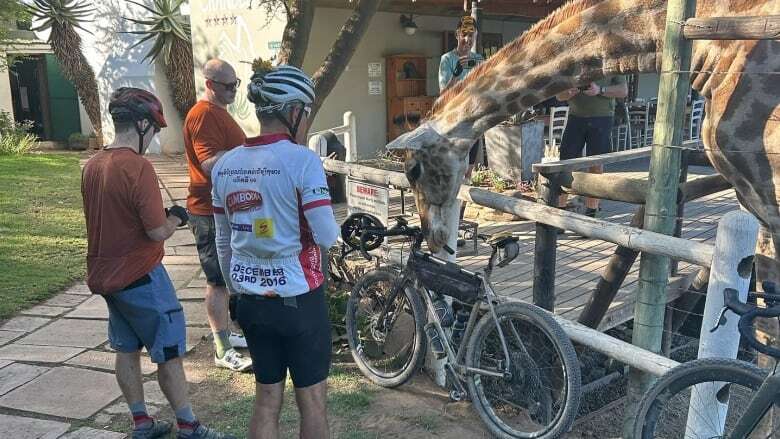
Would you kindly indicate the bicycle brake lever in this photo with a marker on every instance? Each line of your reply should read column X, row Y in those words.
column 722, row 320
column 448, row 249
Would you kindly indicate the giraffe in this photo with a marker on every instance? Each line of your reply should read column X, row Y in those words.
column 585, row 40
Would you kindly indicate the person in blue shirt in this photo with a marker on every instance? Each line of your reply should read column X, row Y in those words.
column 453, row 67
column 459, row 62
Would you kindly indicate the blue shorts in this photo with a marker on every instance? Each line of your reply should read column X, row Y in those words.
column 150, row 316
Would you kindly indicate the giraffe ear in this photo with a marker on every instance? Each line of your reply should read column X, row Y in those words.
column 422, row 136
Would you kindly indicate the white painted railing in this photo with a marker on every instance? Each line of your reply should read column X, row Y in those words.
column 348, row 133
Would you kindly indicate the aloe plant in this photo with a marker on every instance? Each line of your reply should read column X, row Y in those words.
column 172, row 47
column 63, row 17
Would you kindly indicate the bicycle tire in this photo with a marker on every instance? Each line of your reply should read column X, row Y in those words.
column 663, row 394
column 568, row 377
column 380, row 279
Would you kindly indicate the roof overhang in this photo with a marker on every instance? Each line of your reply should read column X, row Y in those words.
column 25, row 47
column 494, row 9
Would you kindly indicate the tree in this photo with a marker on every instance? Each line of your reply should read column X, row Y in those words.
column 172, row 47
column 63, row 17
column 341, row 52
column 295, row 40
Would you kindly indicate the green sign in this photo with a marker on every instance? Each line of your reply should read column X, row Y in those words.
column 274, row 45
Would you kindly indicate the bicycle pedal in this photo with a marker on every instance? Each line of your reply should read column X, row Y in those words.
column 457, row 396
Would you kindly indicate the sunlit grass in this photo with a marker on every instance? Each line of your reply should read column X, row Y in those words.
column 43, row 243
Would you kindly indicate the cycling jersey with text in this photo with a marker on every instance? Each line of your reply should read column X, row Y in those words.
column 264, row 188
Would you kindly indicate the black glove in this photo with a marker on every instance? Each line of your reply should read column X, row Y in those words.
column 179, row 212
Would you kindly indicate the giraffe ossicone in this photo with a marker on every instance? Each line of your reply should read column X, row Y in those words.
column 425, row 134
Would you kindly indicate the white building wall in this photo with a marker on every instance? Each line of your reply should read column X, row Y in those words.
column 6, row 102
column 116, row 64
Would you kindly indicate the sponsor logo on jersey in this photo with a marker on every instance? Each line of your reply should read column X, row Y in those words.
column 321, row 191
column 244, row 200
column 264, row 228
column 241, row 227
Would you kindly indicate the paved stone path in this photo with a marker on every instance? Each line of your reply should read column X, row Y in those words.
column 56, row 367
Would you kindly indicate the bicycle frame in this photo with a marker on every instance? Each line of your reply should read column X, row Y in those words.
column 455, row 359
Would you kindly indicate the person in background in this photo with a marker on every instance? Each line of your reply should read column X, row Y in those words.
column 126, row 227
column 210, row 131
column 453, row 67
column 590, row 121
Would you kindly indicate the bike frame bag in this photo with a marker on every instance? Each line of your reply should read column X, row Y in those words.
column 446, row 278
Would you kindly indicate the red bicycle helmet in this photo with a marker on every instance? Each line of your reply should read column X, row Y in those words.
column 134, row 104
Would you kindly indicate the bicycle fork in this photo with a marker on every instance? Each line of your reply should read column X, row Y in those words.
column 758, row 407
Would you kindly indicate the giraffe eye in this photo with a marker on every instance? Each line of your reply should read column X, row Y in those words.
column 413, row 170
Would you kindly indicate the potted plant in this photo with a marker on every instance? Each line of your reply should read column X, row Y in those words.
column 78, row 142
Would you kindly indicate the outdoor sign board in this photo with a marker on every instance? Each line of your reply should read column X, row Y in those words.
column 368, row 198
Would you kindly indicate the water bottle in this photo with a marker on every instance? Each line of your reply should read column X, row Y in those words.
column 459, row 327
column 443, row 311
column 435, row 341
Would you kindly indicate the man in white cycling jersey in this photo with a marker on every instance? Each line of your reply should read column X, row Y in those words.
column 272, row 213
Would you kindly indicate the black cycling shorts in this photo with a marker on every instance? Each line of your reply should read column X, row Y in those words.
column 282, row 337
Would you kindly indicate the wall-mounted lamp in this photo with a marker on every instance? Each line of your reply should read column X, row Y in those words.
column 407, row 22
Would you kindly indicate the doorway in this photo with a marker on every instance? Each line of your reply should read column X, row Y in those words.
column 41, row 94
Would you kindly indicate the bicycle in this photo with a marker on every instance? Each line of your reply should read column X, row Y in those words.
column 521, row 387
column 741, row 392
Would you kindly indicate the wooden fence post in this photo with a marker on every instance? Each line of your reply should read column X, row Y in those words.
column 661, row 205
column 735, row 246
column 545, row 247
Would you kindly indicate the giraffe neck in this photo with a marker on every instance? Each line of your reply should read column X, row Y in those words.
column 582, row 41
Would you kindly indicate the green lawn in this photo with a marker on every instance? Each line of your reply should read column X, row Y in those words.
column 42, row 236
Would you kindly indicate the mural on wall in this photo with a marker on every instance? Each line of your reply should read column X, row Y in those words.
column 237, row 31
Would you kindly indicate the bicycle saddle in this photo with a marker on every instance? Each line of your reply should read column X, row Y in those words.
column 508, row 246
column 501, row 241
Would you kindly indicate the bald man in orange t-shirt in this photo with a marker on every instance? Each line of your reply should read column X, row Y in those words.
column 209, row 131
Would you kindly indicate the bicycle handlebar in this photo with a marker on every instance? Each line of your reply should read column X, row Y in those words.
column 748, row 313
column 401, row 228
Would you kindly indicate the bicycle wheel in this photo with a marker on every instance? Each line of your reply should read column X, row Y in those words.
column 386, row 349
column 666, row 408
column 541, row 398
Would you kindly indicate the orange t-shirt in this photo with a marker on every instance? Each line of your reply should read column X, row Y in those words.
column 208, row 129
column 121, row 202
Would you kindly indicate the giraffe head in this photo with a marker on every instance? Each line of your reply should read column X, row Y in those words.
column 434, row 167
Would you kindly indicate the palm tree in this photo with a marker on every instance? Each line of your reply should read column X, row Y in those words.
column 172, row 47
column 63, row 17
